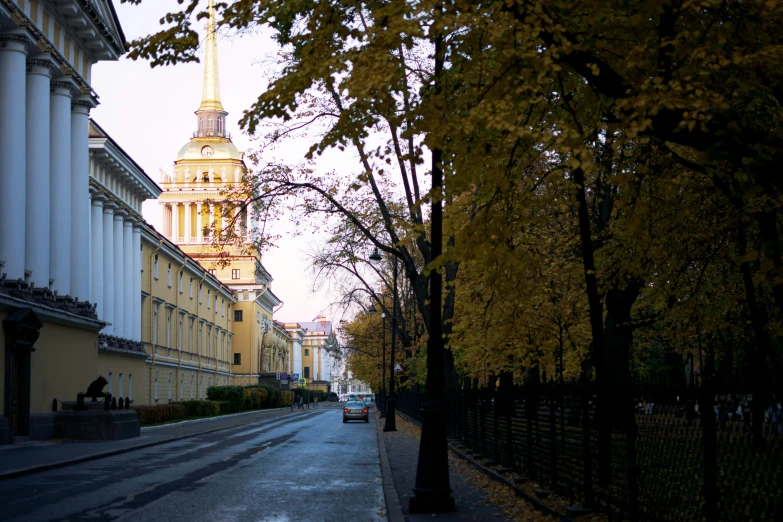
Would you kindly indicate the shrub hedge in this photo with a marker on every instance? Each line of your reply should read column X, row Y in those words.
column 234, row 395
column 162, row 413
column 202, row 408
column 222, row 399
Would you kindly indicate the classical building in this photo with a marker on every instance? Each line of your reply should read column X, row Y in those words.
column 48, row 349
column 198, row 205
column 89, row 288
column 318, row 342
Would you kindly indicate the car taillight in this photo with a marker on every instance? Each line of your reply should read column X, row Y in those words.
column 365, row 410
column 345, row 410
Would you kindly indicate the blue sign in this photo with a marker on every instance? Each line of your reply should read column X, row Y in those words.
column 295, row 376
column 284, row 376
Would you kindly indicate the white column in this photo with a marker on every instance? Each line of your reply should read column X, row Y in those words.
column 187, row 223
column 13, row 61
column 164, row 220
column 249, row 225
column 127, row 277
column 136, row 294
column 237, row 221
column 119, row 276
column 108, row 268
column 211, row 223
column 80, row 199
column 96, row 252
column 36, row 254
column 199, row 224
column 175, row 223
column 60, row 186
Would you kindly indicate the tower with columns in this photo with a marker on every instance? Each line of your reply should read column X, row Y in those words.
column 199, row 202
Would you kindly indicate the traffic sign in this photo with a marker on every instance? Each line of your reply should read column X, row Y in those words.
column 277, row 376
column 284, row 376
column 302, row 382
column 295, row 376
column 294, row 383
column 283, row 381
column 398, row 368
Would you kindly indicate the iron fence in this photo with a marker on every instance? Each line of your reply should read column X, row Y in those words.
column 645, row 453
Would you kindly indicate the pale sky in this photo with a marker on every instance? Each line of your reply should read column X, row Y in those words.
column 150, row 114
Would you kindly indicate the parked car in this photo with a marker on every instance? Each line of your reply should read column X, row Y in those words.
column 356, row 410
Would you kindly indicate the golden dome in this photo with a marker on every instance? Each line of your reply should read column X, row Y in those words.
column 221, row 150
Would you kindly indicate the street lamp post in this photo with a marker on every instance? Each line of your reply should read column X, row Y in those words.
column 382, row 405
column 391, row 412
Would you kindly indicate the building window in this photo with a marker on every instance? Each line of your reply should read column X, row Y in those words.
column 209, row 337
column 209, row 299
column 179, row 332
column 141, row 257
column 199, row 294
column 234, row 273
column 258, row 317
column 180, row 282
column 168, row 276
column 307, row 352
column 238, row 316
column 237, row 358
column 190, row 338
column 111, row 383
column 130, row 386
column 168, row 329
column 191, row 288
column 306, row 372
column 155, row 324
column 155, row 267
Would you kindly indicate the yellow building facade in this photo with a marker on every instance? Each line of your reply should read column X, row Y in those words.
column 157, row 313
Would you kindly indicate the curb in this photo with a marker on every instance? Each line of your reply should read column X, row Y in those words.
column 500, row 478
column 95, row 456
column 393, row 508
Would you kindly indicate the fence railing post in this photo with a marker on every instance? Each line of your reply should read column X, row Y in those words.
column 529, row 415
column 710, row 445
column 630, row 448
column 552, row 436
column 496, row 426
column 587, row 459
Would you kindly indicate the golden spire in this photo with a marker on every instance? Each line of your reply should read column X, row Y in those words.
column 210, row 98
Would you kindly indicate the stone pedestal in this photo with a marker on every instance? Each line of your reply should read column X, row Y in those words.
column 96, row 425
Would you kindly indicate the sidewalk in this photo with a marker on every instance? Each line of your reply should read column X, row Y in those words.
column 478, row 498
column 33, row 457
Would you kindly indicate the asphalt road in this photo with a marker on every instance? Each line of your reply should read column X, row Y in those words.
column 296, row 468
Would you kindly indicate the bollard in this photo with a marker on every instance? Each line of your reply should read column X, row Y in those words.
column 107, row 402
column 127, row 403
column 113, row 403
column 54, row 404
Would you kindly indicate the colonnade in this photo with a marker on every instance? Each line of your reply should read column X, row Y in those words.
column 183, row 233
column 116, row 267
column 44, row 182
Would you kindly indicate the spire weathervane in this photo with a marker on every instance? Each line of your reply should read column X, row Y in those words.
column 210, row 98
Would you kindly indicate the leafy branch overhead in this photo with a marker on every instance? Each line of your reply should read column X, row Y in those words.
column 610, row 169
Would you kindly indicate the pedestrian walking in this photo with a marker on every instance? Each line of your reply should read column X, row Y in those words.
column 299, row 402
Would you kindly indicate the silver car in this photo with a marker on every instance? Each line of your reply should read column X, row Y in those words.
column 356, row 410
